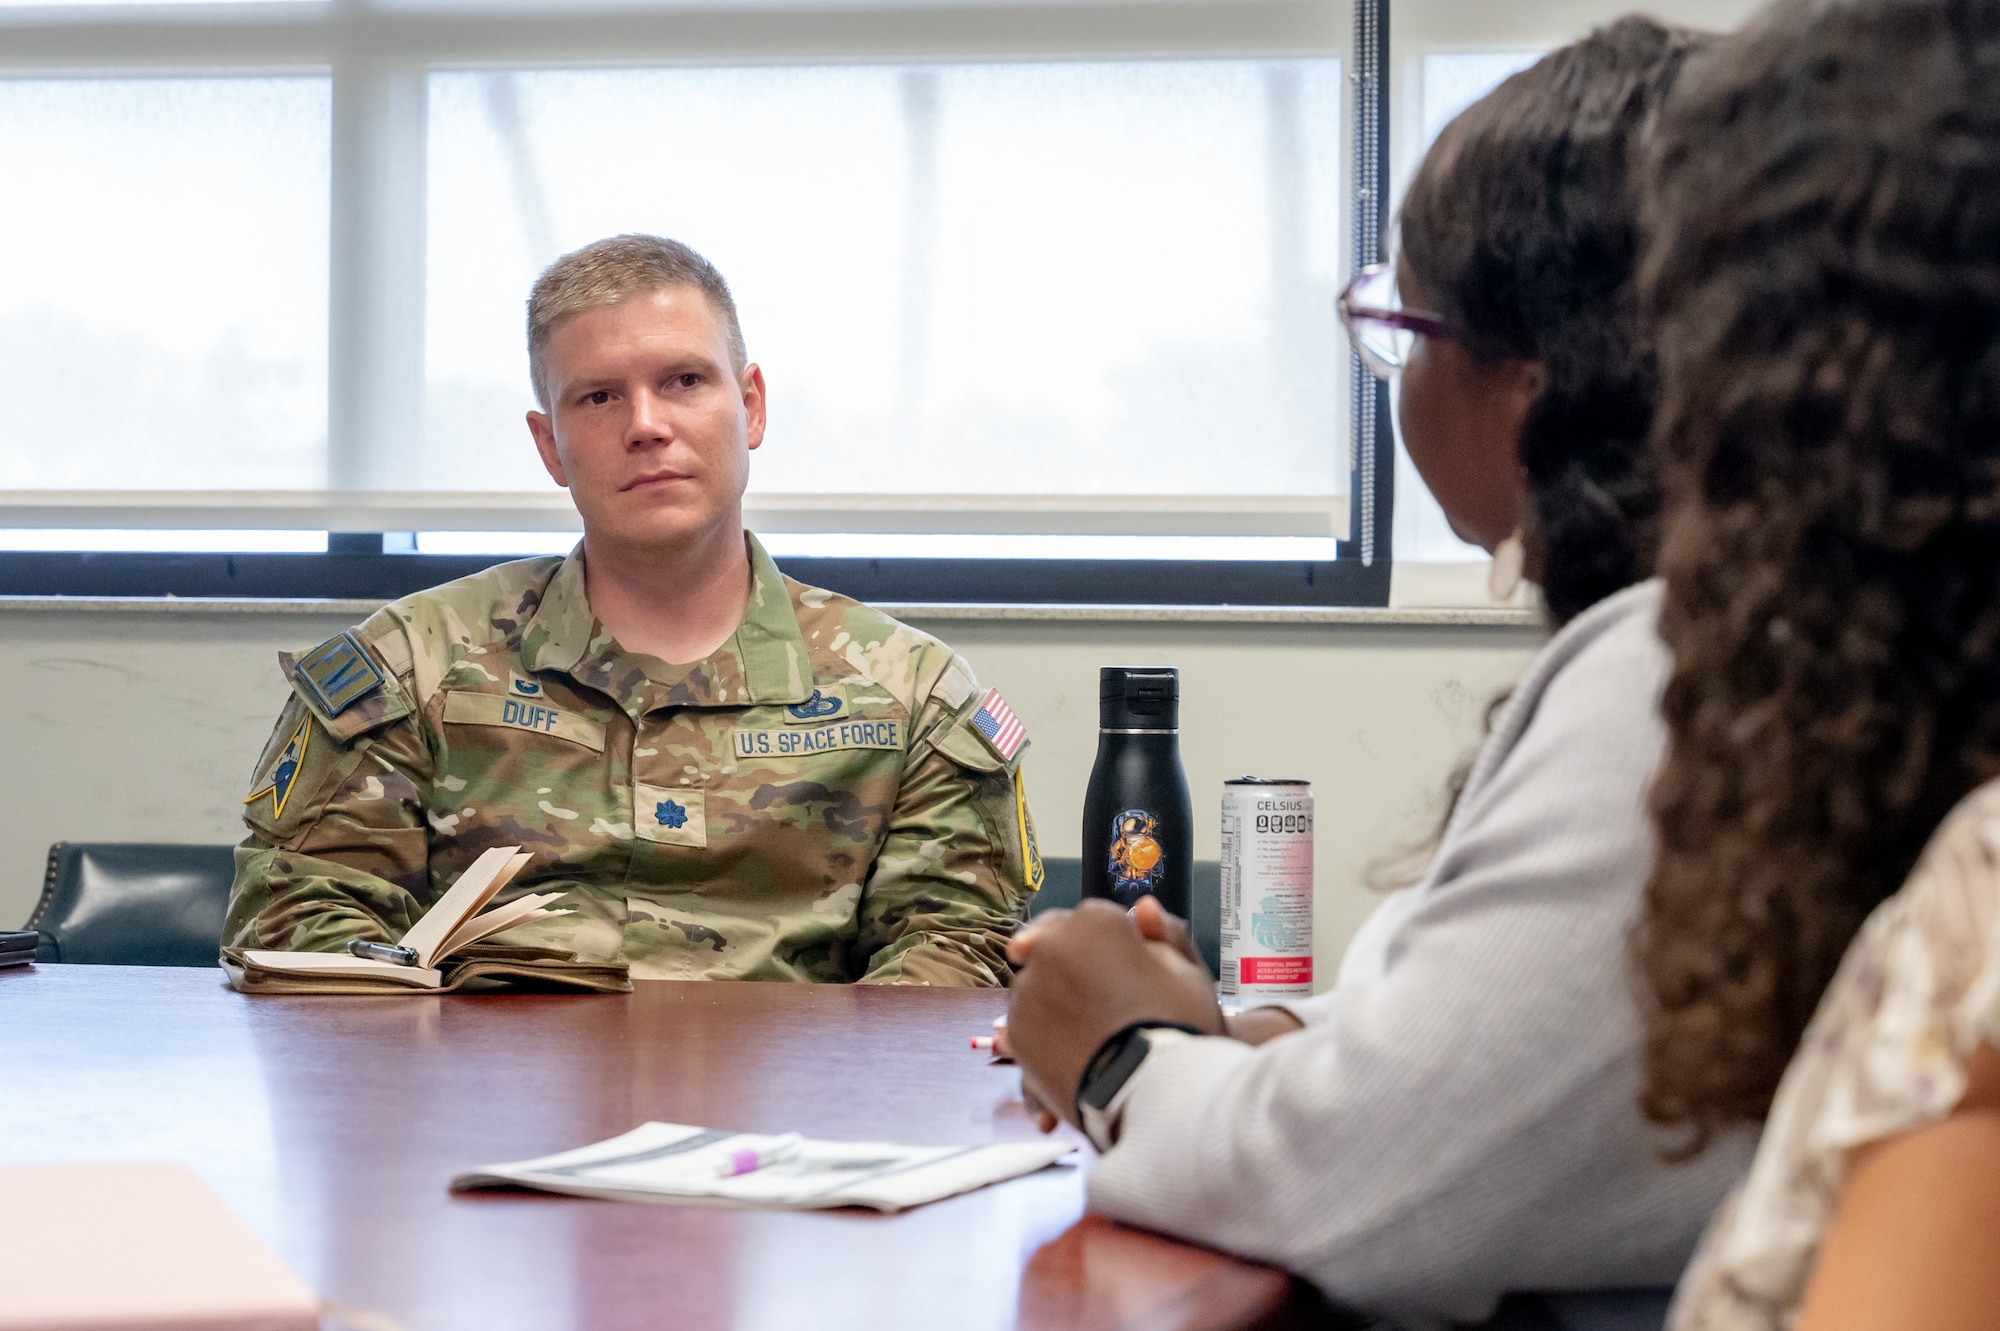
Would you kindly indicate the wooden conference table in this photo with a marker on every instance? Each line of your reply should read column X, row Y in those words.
column 330, row 1126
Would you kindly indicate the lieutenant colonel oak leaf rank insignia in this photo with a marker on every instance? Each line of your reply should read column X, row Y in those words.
column 670, row 814
column 284, row 773
column 997, row 722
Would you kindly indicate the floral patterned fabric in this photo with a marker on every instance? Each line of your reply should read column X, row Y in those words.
column 1888, row 1048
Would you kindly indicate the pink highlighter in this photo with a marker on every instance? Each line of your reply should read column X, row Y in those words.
column 752, row 1158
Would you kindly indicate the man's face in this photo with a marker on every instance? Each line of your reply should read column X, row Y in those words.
column 649, row 428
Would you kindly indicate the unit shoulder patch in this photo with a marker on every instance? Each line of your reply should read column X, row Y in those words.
column 337, row 674
column 284, row 771
column 1033, row 871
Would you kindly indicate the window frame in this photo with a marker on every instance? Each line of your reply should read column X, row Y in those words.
column 347, row 572
column 378, row 61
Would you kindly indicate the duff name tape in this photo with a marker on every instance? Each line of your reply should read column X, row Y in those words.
column 690, row 1166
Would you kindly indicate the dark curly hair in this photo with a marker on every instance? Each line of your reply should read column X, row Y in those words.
column 1824, row 268
column 1521, row 225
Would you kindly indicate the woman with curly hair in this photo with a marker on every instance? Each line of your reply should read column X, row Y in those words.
column 1825, row 274
column 1457, row 1117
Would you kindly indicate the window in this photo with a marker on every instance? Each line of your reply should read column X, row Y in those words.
column 163, row 310
column 1445, row 57
column 1025, row 281
column 1450, row 81
column 1044, row 280
column 1087, row 278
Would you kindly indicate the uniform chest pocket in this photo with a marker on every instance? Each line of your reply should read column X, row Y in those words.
column 526, row 771
column 524, row 716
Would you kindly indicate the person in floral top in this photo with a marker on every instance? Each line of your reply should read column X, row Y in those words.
column 1824, row 270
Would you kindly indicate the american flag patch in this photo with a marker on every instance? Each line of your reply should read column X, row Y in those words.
column 996, row 720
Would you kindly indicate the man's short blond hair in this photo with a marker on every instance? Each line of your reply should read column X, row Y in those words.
column 607, row 271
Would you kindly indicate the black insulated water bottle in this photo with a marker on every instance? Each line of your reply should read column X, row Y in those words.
column 1138, row 828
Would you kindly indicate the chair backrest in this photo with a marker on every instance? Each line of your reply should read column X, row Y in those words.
column 153, row 905
column 133, row 905
column 1063, row 886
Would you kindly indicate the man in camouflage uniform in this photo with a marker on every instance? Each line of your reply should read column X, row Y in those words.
column 823, row 794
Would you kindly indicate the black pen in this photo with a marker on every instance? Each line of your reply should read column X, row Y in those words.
column 401, row 956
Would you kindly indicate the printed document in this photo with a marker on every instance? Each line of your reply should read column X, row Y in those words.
column 674, row 1162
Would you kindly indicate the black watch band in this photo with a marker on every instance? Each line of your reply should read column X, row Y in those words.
column 1114, row 1063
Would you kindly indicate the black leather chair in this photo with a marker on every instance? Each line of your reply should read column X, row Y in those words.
column 154, row 905
column 133, row 905
column 1062, row 886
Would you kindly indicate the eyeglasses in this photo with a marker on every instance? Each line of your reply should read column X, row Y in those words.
column 1378, row 326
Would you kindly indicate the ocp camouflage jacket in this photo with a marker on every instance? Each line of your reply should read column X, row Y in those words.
column 814, row 801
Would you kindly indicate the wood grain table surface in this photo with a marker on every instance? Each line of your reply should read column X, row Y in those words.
column 331, row 1125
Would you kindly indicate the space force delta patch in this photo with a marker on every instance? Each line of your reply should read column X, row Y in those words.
column 284, row 773
column 858, row 734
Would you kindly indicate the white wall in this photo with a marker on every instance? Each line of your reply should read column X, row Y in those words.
column 143, row 725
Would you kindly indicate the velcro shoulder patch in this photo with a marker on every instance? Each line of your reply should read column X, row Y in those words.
column 283, row 773
column 343, row 684
column 1033, row 872
column 337, row 674
column 963, row 741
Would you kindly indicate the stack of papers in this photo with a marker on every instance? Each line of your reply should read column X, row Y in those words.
column 673, row 1162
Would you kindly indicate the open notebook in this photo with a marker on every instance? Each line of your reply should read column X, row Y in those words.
column 447, row 942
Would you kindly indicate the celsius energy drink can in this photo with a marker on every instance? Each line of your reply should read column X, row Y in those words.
column 1267, row 889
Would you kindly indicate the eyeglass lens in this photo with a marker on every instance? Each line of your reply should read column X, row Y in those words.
column 1383, row 348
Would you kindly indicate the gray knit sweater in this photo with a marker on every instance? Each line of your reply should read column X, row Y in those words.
column 1459, row 1116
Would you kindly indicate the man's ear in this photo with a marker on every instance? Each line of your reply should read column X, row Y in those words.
column 544, row 431
column 752, row 385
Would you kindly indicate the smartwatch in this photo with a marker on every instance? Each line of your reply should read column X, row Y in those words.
column 1106, row 1083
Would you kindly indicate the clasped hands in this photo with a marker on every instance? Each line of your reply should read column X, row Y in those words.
column 1084, row 975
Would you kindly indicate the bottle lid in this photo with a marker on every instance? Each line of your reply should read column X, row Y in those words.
column 1139, row 698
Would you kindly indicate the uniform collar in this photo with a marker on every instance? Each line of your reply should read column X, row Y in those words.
column 772, row 648
column 560, row 631
column 764, row 661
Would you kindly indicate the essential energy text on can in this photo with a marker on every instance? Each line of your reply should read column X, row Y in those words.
column 1267, row 889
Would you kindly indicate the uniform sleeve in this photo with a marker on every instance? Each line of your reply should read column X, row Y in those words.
column 949, row 883
column 339, row 842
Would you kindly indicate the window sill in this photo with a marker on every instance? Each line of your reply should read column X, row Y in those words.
column 926, row 612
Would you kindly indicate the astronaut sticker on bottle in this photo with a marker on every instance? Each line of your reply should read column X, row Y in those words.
column 1137, row 861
